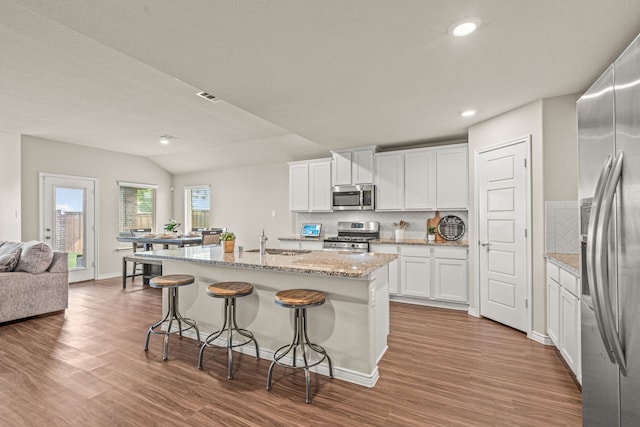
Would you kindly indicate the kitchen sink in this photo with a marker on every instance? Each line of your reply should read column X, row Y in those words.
column 287, row 252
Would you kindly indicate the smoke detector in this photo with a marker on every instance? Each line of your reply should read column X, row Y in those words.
column 208, row 97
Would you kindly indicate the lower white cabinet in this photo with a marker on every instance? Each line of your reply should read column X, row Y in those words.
column 309, row 245
column 563, row 315
column 570, row 329
column 428, row 275
column 415, row 273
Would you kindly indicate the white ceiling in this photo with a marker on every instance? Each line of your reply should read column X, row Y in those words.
column 297, row 77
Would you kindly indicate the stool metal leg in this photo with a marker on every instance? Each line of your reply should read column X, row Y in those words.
column 173, row 313
column 229, row 324
column 300, row 339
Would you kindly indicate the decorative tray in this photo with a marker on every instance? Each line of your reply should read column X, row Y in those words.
column 451, row 227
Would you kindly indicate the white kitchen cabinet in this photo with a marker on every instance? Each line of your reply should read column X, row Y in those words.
column 415, row 271
column 553, row 311
column 353, row 166
column 450, row 274
column 389, row 181
column 414, row 274
column 570, row 329
column 394, row 277
column 310, row 186
column 341, row 171
column 309, row 245
column 563, row 315
column 452, row 182
column 289, row 244
column 419, row 179
column 299, row 186
column 362, row 166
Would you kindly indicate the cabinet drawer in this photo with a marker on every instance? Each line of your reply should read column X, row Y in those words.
column 569, row 282
column 417, row 250
column 384, row 249
column 553, row 271
column 450, row 253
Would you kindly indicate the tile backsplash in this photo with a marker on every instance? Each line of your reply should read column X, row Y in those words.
column 417, row 228
column 562, row 232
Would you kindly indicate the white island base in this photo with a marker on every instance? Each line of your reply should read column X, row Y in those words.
column 352, row 325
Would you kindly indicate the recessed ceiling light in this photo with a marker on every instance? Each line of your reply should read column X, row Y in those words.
column 464, row 27
column 166, row 139
column 468, row 113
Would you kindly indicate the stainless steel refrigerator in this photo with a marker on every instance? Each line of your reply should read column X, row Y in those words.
column 609, row 193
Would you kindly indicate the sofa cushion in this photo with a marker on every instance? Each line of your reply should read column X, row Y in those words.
column 9, row 247
column 9, row 261
column 36, row 257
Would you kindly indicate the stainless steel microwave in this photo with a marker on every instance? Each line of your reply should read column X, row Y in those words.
column 353, row 197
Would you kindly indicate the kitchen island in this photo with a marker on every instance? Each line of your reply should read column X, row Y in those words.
column 352, row 325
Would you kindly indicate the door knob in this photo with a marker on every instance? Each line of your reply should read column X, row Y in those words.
column 47, row 237
column 485, row 244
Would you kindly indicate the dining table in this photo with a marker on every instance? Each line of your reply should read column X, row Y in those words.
column 160, row 239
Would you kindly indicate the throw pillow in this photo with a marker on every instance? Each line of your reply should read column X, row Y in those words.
column 36, row 257
column 9, row 247
column 9, row 261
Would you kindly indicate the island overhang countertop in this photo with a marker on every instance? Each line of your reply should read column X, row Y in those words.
column 345, row 264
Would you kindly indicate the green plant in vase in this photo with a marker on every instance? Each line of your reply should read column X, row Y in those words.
column 171, row 226
column 228, row 239
column 431, row 233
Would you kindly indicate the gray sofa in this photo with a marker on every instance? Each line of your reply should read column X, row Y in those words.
column 33, row 280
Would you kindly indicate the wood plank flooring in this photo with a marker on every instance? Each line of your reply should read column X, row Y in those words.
column 87, row 367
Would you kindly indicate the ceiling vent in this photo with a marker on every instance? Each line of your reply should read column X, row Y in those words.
column 208, row 97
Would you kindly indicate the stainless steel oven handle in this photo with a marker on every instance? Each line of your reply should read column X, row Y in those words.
column 602, row 243
column 591, row 253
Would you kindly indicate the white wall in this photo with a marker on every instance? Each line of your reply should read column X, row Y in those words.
column 10, row 213
column 43, row 155
column 242, row 200
column 526, row 120
column 560, row 148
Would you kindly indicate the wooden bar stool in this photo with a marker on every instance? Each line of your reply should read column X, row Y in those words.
column 229, row 291
column 300, row 300
column 171, row 282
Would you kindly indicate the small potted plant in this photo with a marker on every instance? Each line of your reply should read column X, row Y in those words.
column 228, row 239
column 171, row 226
column 431, row 233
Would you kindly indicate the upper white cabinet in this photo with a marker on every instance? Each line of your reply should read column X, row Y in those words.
column 310, row 186
column 353, row 166
column 389, row 181
column 422, row 179
column 452, row 178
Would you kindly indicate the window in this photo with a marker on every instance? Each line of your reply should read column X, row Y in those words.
column 137, row 206
column 197, row 203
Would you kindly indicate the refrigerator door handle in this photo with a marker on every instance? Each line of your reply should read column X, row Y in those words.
column 601, row 245
column 591, row 253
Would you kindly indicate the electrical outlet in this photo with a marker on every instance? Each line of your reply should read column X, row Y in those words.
column 273, row 214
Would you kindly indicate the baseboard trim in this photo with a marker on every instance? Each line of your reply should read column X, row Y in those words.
column 359, row 378
column 429, row 302
column 109, row 276
column 473, row 312
column 541, row 338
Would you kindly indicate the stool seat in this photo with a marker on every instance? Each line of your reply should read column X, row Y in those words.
column 299, row 298
column 172, row 280
column 230, row 289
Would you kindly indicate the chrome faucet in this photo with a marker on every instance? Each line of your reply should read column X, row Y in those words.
column 263, row 242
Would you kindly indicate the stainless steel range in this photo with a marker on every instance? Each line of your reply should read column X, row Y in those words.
column 353, row 236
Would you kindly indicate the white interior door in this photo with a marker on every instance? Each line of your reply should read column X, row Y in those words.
column 67, row 221
column 502, row 181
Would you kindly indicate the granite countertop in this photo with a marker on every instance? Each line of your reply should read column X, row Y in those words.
column 345, row 264
column 423, row 242
column 570, row 262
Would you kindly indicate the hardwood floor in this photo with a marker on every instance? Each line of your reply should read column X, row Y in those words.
column 443, row 368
